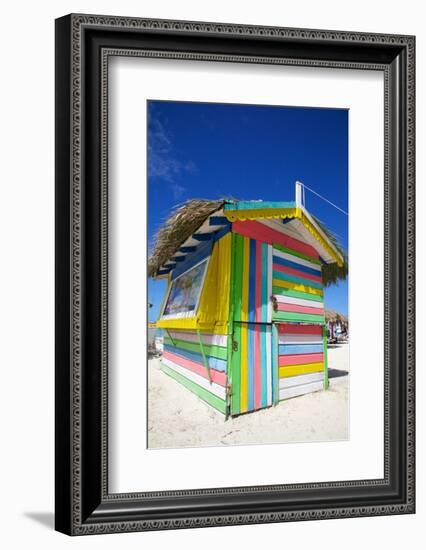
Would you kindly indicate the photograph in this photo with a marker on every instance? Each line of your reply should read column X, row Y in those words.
column 248, row 260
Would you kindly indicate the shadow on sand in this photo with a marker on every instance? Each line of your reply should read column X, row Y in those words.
column 337, row 373
column 337, row 345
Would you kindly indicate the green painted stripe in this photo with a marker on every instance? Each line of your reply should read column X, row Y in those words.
column 236, row 355
column 302, row 317
column 324, row 335
column 203, row 394
column 230, row 328
column 281, row 291
column 210, row 350
column 294, row 253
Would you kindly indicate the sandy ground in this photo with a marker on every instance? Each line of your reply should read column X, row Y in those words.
column 178, row 418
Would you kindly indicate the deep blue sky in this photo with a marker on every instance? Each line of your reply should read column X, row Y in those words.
column 206, row 150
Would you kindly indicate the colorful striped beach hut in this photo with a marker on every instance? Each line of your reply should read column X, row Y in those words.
column 243, row 315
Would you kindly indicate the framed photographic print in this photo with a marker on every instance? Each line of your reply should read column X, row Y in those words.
column 234, row 274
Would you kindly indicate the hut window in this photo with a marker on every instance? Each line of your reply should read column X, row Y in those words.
column 184, row 292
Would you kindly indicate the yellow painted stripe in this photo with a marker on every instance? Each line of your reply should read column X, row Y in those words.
column 223, row 278
column 214, row 300
column 300, row 369
column 244, row 369
column 261, row 213
column 319, row 238
column 297, row 286
column 244, row 332
column 186, row 322
column 210, row 290
column 191, row 323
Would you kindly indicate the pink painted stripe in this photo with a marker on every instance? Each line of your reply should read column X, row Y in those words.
column 216, row 376
column 257, row 230
column 258, row 285
column 258, row 318
column 287, row 360
column 300, row 309
column 257, row 368
column 296, row 273
column 288, row 328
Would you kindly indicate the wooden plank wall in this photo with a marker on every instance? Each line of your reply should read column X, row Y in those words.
column 202, row 369
column 300, row 359
column 297, row 286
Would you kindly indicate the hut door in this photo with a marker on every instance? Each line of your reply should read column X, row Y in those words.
column 251, row 367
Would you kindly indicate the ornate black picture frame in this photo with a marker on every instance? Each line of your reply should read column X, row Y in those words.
column 84, row 44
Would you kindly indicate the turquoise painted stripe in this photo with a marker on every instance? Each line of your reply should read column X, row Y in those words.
column 257, row 205
column 293, row 279
column 213, row 362
column 296, row 349
column 264, row 394
column 250, row 385
column 264, row 275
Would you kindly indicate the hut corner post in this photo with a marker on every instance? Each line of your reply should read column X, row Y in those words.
column 324, row 339
column 228, row 408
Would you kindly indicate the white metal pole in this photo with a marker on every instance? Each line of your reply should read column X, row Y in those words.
column 299, row 201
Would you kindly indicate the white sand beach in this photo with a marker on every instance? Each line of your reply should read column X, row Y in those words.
column 178, row 418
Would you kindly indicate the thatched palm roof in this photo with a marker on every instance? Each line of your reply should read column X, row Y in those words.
column 181, row 224
column 331, row 273
column 332, row 316
column 189, row 216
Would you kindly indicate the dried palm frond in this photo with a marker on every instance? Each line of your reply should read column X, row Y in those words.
column 189, row 216
column 331, row 316
column 181, row 224
column 332, row 273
